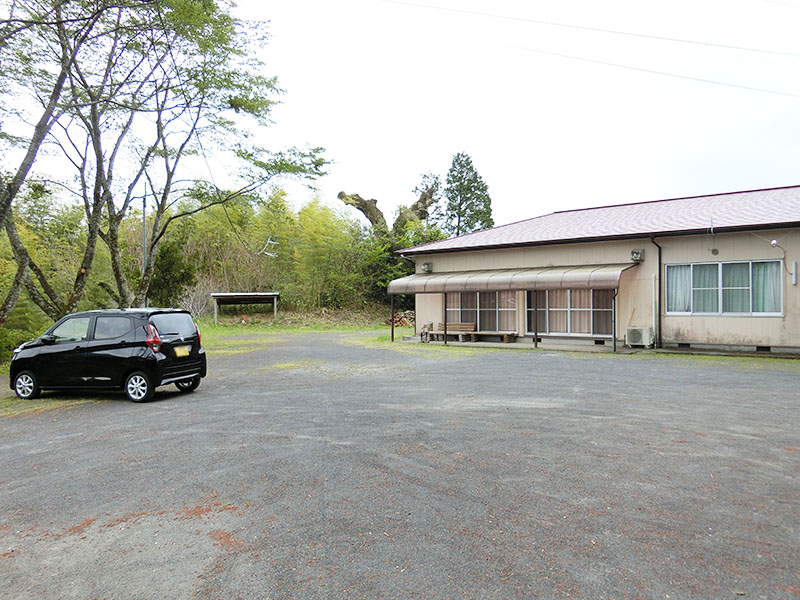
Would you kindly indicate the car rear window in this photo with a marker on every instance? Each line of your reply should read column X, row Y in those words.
column 107, row 328
column 174, row 324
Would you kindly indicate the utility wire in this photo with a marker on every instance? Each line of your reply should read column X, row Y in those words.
column 596, row 29
column 655, row 72
column 782, row 3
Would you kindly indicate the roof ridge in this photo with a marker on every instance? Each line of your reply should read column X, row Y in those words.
column 464, row 235
column 587, row 208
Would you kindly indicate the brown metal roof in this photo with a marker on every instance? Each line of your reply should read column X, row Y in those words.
column 722, row 212
column 586, row 277
column 244, row 297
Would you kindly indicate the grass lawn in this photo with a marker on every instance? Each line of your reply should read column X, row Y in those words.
column 238, row 334
column 235, row 334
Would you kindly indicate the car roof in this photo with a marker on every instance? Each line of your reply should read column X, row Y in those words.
column 140, row 312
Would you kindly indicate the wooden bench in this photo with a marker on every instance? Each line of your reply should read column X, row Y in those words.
column 505, row 336
column 458, row 330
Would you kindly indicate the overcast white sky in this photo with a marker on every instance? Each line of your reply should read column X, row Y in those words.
column 393, row 89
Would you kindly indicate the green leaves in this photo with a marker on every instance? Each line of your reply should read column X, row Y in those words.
column 264, row 164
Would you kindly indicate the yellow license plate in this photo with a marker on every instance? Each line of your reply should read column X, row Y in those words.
column 181, row 351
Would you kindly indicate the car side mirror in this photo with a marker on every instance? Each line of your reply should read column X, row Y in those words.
column 48, row 339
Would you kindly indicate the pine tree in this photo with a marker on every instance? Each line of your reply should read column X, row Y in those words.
column 468, row 205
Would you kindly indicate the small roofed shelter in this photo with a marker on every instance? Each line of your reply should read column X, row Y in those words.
column 245, row 298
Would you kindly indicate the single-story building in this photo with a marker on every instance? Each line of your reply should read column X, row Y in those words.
column 704, row 271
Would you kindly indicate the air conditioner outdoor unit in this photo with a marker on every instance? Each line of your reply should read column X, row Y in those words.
column 639, row 336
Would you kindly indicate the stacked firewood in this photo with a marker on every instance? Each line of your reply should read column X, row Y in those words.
column 403, row 319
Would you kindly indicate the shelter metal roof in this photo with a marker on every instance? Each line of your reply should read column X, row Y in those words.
column 244, row 297
column 584, row 277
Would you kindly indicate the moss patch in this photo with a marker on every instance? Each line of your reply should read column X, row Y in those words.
column 230, row 345
column 384, row 341
column 298, row 364
column 754, row 363
column 11, row 406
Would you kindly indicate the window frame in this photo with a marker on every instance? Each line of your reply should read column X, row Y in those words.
column 568, row 309
column 101, row 338
column 720, row 289
column 497, row 310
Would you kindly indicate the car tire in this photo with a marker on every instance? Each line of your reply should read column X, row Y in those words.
column 26, row 386
column 188, row 385
column 138, row 387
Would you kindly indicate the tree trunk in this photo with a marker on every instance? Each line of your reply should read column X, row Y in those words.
column 13, row 294
column 369, row 209
column 111, row 238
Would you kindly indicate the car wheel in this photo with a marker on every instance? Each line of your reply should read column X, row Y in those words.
column 188, row 385
column 26, row 386
column 138, row 387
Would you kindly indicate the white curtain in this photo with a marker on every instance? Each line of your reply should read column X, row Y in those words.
column 767, row 287
column 736, row 287
column 679, row 288
column 705, row 288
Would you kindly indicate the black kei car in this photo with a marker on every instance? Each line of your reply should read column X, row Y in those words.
column 136, row 350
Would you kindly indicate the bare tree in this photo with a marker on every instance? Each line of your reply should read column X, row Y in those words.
column 153, row 86
column 39, row 44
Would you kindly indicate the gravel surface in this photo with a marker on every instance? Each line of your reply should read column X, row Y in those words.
column 327, row 466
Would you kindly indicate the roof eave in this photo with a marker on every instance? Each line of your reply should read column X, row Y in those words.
column 420, row 250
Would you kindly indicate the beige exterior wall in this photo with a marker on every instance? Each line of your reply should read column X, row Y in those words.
column 773, row 331
column 636, row 299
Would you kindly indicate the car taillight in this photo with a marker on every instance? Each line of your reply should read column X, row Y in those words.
column 153, row 341
column 199, row 341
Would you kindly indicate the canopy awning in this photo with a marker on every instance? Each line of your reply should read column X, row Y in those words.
column 542, row 278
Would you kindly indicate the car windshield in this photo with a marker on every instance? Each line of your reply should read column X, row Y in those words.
column 174, row 324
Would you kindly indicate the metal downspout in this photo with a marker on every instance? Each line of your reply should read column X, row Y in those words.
column 660, row 290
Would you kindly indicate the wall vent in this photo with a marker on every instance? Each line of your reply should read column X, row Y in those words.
column 639, row 336
column 427, row 267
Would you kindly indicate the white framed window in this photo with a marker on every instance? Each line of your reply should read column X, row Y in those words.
column 576, row 312
column 490, row 311
column 727, row 288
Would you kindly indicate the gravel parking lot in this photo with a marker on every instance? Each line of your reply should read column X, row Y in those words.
column 330, row 466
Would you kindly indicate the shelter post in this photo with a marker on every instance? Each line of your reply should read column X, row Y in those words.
column 535, row 319
column 444, row 304
column 392, row 317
